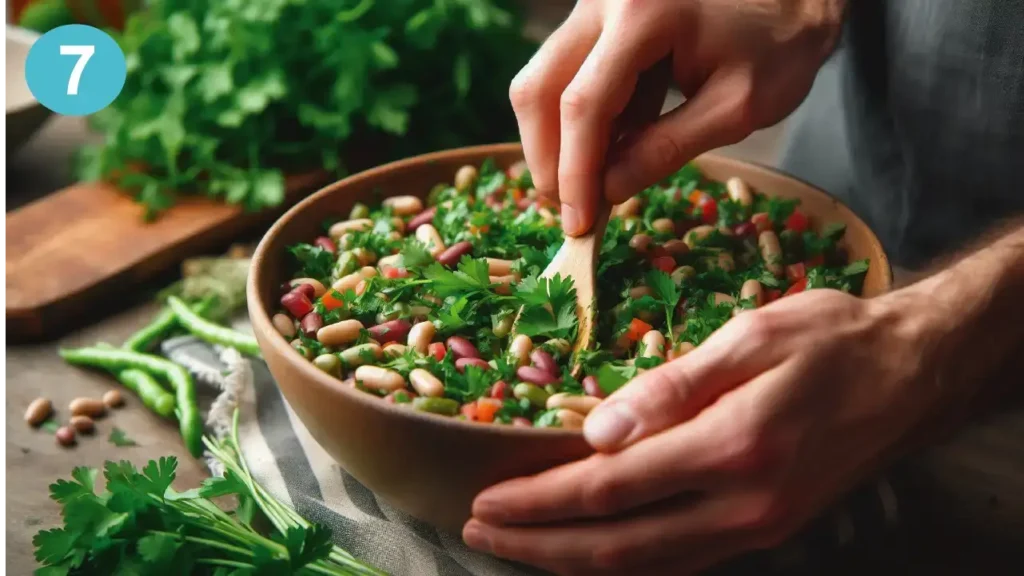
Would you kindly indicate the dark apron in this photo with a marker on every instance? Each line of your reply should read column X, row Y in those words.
column 917, row 122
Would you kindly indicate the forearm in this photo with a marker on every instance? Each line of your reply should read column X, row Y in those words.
column 969, row 319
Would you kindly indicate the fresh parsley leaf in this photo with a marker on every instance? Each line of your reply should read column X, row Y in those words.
column 547, row 419
column 119, row 438
column 314, row 261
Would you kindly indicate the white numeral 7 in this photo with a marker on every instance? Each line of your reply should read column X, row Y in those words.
column 83, row 53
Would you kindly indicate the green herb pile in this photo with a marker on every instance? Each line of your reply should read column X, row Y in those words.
column 139, row 524
column 225, row 98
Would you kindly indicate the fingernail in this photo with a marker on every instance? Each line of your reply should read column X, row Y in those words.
column 489, row 510
column 609, row 425
column 475, row 537
column 570, row 220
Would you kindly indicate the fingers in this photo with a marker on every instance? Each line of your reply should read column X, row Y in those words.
column 677, row 391
column 597, row 95
column 686, row 459
column 536, row 90
column 689, row 534
column 717, row 115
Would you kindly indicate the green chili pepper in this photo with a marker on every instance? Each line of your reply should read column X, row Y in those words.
column 213, row 333
column 159, row 327
column 118, row 360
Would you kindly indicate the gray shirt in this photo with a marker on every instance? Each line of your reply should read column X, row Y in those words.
column 917, row 122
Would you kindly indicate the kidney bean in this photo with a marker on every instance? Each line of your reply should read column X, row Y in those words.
column 640, row 242
column 462, row 363
column 38, row 411
column 592, row 388
column 451, row 256
column 543, row 360
column 521, row 422
column 297, row 303
column 746, row 229
column 676, row 248
column 535, row 375
column 425, row 217
column 311, row 323
column 499, row 390
column 391, row 331
column 462, row 348
column 65, row 436
column 326, row 243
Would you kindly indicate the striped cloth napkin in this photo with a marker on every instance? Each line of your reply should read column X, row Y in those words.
column 286, row 461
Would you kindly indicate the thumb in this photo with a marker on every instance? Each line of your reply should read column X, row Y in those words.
column 717, row 115
column 679, row 390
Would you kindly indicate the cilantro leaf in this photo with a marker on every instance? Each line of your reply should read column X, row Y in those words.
column 314, row 261
column 119, row 438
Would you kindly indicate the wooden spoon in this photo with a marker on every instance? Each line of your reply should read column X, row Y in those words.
column 577, row 259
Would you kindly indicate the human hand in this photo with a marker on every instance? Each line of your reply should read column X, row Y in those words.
column 742, row 66
column 729, row 448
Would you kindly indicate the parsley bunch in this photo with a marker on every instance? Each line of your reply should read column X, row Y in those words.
column 224, row 98
column 138, row 524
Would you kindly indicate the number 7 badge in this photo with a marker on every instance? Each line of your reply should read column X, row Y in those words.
column 75, row 70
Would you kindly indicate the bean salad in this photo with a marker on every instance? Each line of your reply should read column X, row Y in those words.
column 414, row 300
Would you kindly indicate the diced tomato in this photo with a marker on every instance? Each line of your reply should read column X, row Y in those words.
column 797, row 287
column 772, row 295
column 486, row 408
column 745, row 229
column 437, row 350
column 797, row 221
column 391, row 273
column 637, row 329
column 796, row 272
column 709, row 210
column 664, row 263
column 761, row 222
column 499, row 390
column 469, row 411
column 331, row 300
column 696, row 196
column 816, row 260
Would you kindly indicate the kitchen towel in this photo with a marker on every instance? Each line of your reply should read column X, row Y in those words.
column 287, row 461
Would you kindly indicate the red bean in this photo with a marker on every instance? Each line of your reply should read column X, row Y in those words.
column 306, row 289
column 462, row 363
column 535, row 375
column 454, row 253
column 521, row 422
column 311, row 323
column 543, row 360
column 499, row 390
column 425, row 217
column 462, row 348
column 592, row 388
column 745, row 229
column 325, row 243
column 297, row 303
column 392, row 331
column 684, row 226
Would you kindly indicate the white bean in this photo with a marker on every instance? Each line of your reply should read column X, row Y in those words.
column 356, row 355
column 570, row 420
column 739, row 192
column 430, row 238
column 420, row 336
column 663, row 225
column 425, row 383
column 340, row 333
column 465, row 177
column 404, row 205
column 653, row 344
column 723, row 299
column 576, row 403
column 498, row 267
column 284, row 325
column 356, row 225
column 38, row 411
column 696, row 235
column 771, row 252
column 631, row 207
column 520, row 349
column 753, row 289
column 380, row 379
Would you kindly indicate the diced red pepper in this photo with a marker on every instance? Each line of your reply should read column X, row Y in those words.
column 797, row 287
column 772, row 295
column 709, row 210
column 696, row 196
column 796, row 271
column 391, row 273
column 469, row 411
column 499, row 390
column 637, row 329
column 664, row 263
column 816, row 260
column 331, row 300
column 437, row 350
column 486, row 408
column 797, row 221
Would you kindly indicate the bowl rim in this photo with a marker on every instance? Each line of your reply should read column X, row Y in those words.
column 27, row 38
column 259, row 317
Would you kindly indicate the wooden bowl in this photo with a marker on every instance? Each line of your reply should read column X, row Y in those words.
column 428, row 466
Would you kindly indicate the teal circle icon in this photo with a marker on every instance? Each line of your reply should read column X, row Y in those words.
column 75, row 70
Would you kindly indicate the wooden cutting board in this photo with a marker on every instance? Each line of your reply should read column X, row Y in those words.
column 76, row 250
